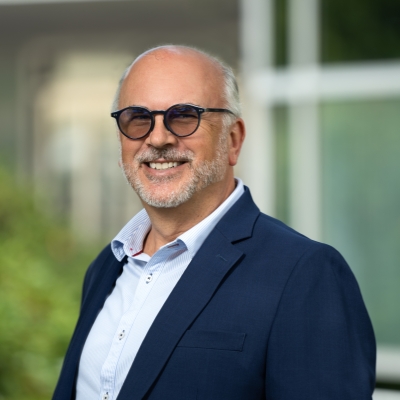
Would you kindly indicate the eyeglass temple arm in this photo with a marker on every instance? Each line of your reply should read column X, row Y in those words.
column 219, row 110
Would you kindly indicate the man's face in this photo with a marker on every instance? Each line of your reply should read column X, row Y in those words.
column 163, row 169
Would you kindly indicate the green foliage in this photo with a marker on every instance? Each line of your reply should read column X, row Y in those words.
column 41, row 272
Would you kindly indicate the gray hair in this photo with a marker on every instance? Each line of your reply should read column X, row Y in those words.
column 231, row 89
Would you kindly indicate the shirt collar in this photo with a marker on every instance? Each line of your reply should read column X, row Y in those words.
column 129, row 241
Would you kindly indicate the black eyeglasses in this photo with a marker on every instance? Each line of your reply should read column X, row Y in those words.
column 181, row 120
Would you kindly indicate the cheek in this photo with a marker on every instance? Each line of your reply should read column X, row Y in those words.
column 129, row 149
column 204, row 152
column 205, row 146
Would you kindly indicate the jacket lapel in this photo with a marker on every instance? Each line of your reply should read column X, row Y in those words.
column 109, row 268
column 191, row 294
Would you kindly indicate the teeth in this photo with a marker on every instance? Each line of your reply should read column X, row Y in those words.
column 164, row 165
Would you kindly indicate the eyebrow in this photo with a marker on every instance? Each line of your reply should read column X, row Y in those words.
column 183, row 102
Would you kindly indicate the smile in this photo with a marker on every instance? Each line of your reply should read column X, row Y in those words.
column 164, row 165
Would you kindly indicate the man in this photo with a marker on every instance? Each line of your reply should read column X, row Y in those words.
column 200, row 296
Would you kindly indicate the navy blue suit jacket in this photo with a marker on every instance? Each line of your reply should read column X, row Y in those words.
column 261, row 312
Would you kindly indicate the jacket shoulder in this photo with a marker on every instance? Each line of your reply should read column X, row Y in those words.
column 94, row 269
column 280, row 236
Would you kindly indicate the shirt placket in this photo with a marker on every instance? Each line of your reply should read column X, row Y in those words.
column 148, row 279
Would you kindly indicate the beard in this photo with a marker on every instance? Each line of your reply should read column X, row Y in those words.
column 200, row 176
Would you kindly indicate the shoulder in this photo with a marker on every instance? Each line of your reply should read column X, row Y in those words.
column 104, row 254
column 275, row 236
column 280, row 254
column 95, row 268
column 268, row 242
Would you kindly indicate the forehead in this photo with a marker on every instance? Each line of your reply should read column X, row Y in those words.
column 162, row 78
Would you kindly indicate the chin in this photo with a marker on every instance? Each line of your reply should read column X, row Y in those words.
column 173, row 199
column 165, row 194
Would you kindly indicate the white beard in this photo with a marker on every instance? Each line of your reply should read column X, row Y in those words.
column 203, row 175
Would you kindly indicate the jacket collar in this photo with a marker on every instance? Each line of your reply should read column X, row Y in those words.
column 200, row 281
column 238, row 223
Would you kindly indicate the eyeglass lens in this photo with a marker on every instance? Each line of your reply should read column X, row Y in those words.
column 182, row 120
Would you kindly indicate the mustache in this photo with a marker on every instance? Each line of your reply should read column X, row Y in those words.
column 153, row 154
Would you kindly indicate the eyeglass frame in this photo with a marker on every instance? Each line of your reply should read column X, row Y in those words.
column 199, row 110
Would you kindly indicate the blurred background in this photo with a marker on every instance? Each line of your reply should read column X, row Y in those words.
column 320, row 84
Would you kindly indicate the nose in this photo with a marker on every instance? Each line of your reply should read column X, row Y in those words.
column 160, row 136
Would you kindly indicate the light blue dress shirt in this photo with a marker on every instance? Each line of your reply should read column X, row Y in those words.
column 139, row 294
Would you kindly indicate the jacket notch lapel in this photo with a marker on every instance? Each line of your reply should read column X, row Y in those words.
column 189, row 297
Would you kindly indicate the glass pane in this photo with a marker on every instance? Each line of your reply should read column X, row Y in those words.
column 361, row 201
column 360, row 30
column 281, row 27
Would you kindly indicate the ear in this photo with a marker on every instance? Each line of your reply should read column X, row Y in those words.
column 236, row 138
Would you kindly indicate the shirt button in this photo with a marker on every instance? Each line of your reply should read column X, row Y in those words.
column 120, row 336
column 149, row 278
column 106, row 396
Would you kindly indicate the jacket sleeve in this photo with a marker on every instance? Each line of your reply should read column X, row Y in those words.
column 322, row 345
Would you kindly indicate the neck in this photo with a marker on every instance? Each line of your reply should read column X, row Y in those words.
column 168, row 223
